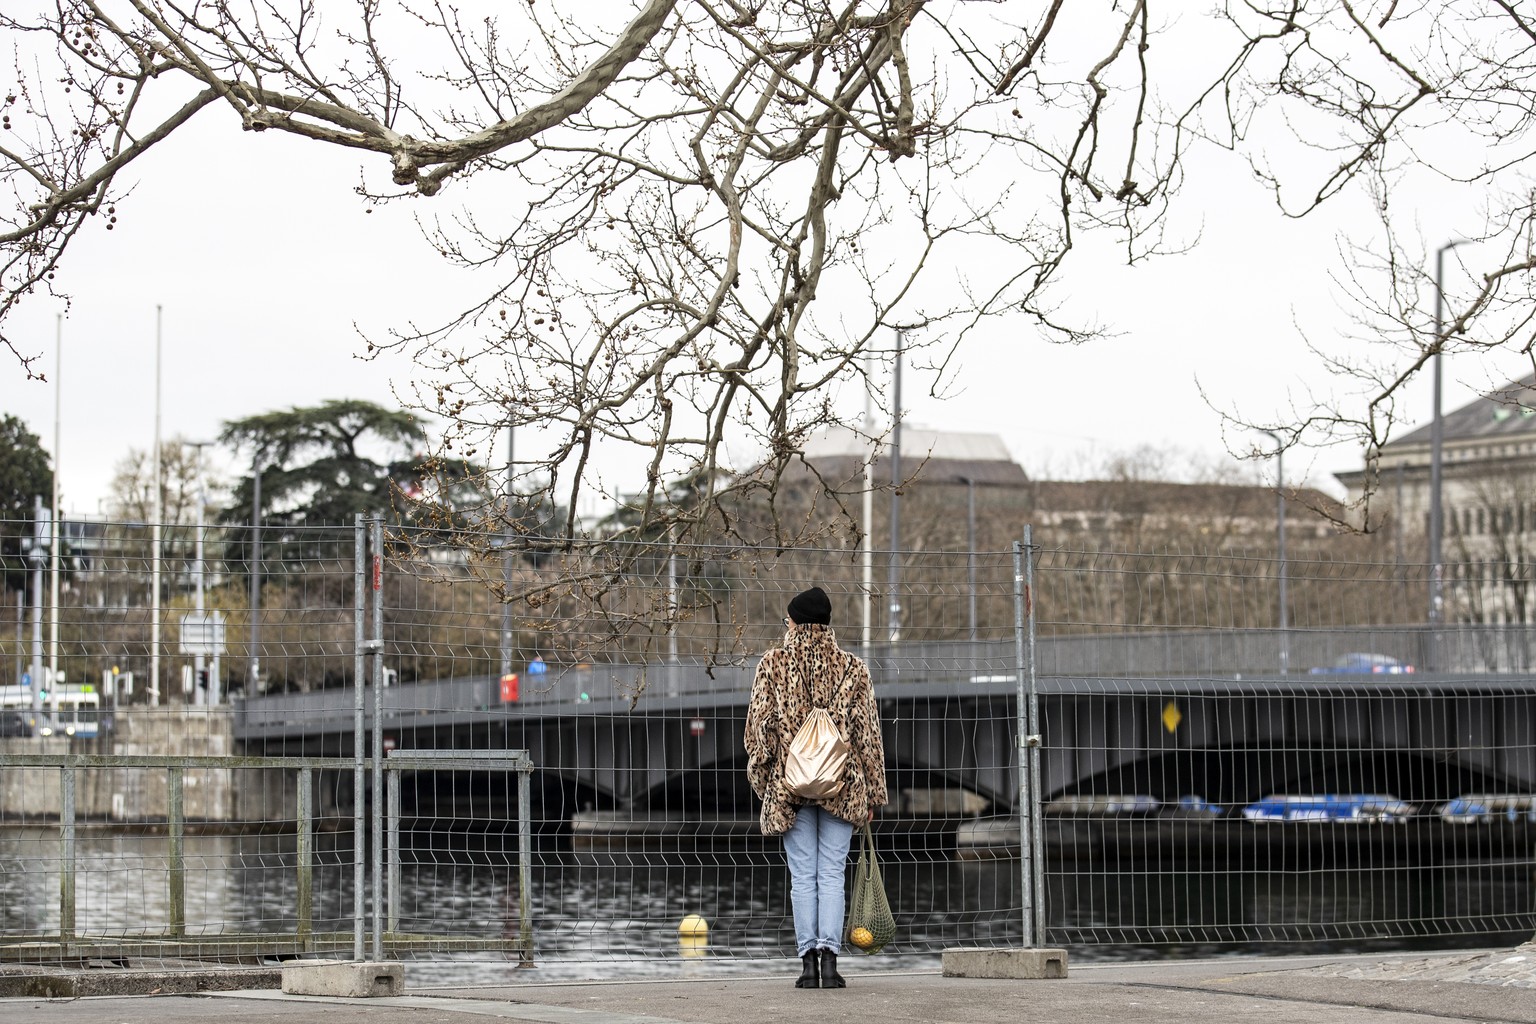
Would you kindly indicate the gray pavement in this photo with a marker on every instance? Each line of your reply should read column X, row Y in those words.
column 1487, row 986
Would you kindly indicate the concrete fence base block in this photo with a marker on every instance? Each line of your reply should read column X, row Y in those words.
column 347, row 979
column 966, row 962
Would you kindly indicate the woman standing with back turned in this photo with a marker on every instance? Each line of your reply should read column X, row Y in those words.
column 809, row 670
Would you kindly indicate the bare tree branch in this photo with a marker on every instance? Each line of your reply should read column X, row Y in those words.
column 694, row 223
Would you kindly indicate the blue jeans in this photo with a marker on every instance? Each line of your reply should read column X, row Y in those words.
column 816, row 848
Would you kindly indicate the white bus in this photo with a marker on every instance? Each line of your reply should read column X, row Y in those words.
column 67, row 710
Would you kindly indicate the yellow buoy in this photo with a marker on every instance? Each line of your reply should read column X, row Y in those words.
column 693, row 935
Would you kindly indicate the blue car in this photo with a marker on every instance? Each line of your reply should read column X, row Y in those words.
column 1360, row 663
column 1353, row 808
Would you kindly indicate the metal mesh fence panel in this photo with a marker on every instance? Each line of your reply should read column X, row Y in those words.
column 100, row 663
column 168, row 881
column 135, row 827
column 1214, row 782
column 1211, row 780
column 628, row 673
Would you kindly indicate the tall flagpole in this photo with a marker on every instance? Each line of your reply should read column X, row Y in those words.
column 506, row 552
column 894, row 584
column 54, row 527
column 869, row 502
column 156, row 515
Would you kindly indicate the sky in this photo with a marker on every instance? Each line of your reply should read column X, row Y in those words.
column 263, row 267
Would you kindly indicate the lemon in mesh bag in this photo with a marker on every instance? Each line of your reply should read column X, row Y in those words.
column 870, row 922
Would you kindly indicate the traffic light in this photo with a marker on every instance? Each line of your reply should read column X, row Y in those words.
column 202, row 679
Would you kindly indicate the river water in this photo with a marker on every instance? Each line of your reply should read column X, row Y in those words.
column 618, row 915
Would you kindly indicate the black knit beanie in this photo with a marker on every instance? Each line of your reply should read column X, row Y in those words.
column 811, row 606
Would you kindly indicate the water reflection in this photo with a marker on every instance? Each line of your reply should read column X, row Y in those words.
column 232, row 884
column 623, row 911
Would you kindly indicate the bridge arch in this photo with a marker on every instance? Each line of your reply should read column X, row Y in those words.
column 1234, row 777
column 484, row 800
column 721, row 788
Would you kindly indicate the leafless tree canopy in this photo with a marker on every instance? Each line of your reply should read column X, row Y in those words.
column 701, row 216
column 133, row 487
column 1388, row 100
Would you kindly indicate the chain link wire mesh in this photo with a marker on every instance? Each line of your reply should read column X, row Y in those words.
column 1352, row 781
column 1204, row 788
column 165, row 875
column 629, row 671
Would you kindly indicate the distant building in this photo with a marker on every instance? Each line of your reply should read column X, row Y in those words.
column 85, row 541
column 1487, row 467
column 943, row 472
column 928, row 457
column 1148, row 514
column 1488, row 502
column 943, row 478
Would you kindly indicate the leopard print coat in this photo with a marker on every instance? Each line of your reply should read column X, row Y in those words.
column 808, row 671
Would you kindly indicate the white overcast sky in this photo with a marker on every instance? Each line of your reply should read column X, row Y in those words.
column 266, row 265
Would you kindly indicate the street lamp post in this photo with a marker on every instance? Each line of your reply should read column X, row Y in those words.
column 42, row 527
column 1285, row 612
column 253, row 673
column 55, row 525
column 199, row 570
column 894, row 578
column 1436, row 442
column 868, row 556
column 506, row 553
column 157, row 498
column 970, row 547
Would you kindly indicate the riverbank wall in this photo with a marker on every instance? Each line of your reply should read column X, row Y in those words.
column 134, row 794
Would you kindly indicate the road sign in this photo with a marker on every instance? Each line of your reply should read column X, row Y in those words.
column 202, row 633
column 696, row 726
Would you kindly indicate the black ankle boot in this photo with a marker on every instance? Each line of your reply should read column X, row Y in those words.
column 809, row 978
column 829, row 976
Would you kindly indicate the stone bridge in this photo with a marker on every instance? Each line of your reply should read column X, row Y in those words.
column 660, row 742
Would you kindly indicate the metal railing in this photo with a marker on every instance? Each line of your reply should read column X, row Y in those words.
column 390, row 937
column 182, row 935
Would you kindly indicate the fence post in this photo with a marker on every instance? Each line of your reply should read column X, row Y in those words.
column 392, row 812
column 1036, row 782
column 176, row 822
column 524, row 865
column 359, row 608
column 1026, row 868
column 376, row 646
column 305, row 855
column 67, row 854
column 1027, row 715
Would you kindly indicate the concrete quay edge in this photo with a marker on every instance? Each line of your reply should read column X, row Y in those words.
column 1479, row 985
column 47, row 982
